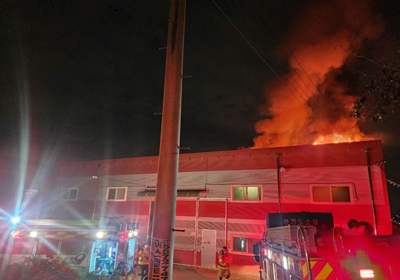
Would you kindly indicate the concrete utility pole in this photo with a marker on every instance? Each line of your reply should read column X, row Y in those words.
column 162, row 241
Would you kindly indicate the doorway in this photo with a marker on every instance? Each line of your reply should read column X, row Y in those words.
column 208, row 247
column 103, row 256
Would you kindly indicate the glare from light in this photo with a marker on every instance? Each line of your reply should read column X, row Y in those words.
column 135, row 233
column 15, row 220
column 269, row 254
column 367, row 273
column 33, row 234
column 285, row 263
column 100, row 234
column 130, row 234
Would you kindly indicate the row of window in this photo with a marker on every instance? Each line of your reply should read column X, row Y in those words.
column 319, row 193
column 114, row 194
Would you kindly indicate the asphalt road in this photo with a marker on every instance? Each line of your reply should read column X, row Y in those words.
column 189, row 273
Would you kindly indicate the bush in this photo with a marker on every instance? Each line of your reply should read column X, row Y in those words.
column 37, row 268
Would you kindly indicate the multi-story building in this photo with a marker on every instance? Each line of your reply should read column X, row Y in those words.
column 224, row 196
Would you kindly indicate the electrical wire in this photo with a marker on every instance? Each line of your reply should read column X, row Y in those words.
column 309, row 100
column 316, row 99
column 285, row 82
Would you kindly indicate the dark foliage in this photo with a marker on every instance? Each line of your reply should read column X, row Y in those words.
column 35, row 268
column 381, row 92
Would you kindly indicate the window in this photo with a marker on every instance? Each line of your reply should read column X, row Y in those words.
column 331, row 194
column 69, row 247
column 69, row 194
column 246, row 193
column 116, row 194
column 179, row 194
column 244, row 244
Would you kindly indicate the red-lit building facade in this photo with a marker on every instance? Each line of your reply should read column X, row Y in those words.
column 224, row 197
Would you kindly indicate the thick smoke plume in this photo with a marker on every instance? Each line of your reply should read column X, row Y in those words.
column 313, row 101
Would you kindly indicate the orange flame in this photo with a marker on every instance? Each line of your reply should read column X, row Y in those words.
column 313, row 104
column 334, row 138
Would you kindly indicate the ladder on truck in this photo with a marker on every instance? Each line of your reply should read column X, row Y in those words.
column 286, row 255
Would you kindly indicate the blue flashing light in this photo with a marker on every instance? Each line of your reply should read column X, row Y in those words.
column 15, row 220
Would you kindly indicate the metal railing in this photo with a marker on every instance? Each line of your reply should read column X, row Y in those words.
column 300, row 230
column 334, row 239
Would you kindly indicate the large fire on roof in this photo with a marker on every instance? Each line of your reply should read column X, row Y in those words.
column 312, row 104
column 337, row 138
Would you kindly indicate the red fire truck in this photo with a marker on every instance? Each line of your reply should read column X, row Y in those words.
column 305, row 245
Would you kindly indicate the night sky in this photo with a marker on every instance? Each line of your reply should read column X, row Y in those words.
column 87, row 76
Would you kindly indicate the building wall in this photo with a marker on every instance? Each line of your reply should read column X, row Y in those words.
column 214, row 174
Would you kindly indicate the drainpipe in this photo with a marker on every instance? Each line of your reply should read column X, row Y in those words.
column 278, row 181
column 97, row 177
column 372, row 191
column 226, row 223
column 196, row 229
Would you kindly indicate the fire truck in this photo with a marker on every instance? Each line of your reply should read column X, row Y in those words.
column 306, row 245
column 86, row 245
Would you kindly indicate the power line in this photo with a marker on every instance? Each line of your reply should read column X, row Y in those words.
column 273, row 70
column 316, row 99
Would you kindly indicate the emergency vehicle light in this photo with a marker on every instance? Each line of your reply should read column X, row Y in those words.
column 269, row 254
column 265, row 252
column 17, row 234
column 132, row 233
column 285, row 263
column 367, row 273
column 15, row 220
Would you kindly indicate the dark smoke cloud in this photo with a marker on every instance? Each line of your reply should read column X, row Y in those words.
column 312, row 101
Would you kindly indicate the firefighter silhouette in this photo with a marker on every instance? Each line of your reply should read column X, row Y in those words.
column 224, row 262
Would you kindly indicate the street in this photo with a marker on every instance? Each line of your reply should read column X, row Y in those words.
column 187, row 272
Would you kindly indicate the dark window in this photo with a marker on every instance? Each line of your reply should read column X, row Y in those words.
column 69, row 194
column 179, row 194
column 341, row 194
column 331, row 194
column 120, row 194
column 240, row 244
column 244, row 244
column 116, row 193
column 73, row 193
column 151, row 194
column 111, row 193
column 73, row 247
column 252, row 241
column 321, row 194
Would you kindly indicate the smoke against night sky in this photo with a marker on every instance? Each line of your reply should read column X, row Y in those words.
column 312, row 101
